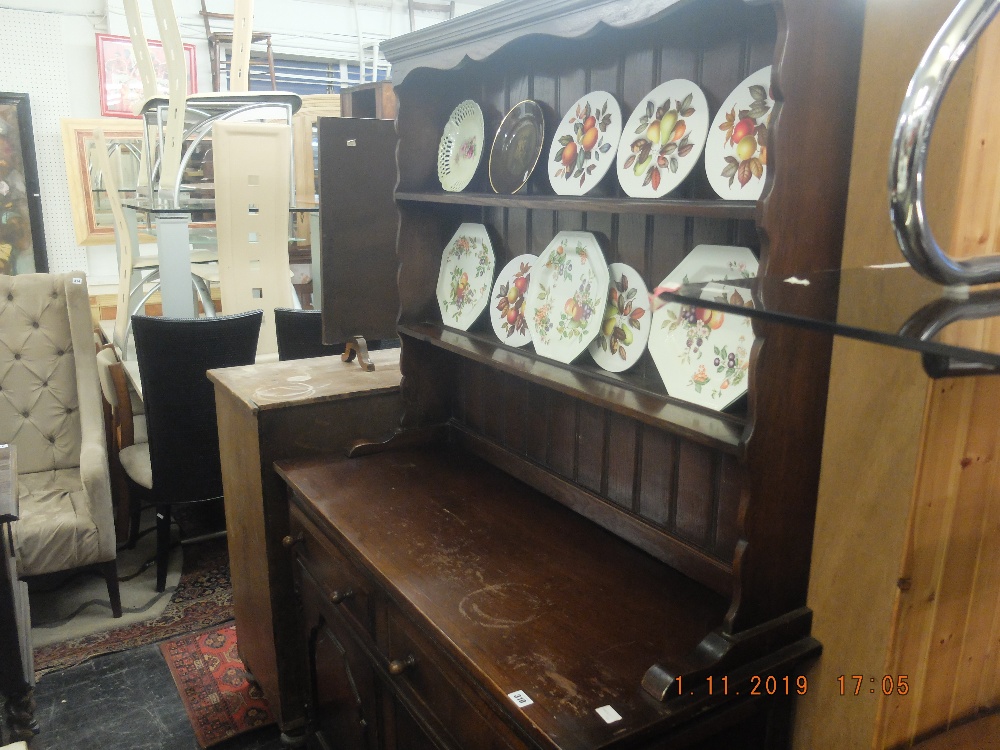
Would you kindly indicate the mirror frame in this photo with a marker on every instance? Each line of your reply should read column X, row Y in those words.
column 75, row 132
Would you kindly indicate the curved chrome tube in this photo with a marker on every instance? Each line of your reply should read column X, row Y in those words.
column 908, row 158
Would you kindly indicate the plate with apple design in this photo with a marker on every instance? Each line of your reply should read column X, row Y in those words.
column 625, row 326
column 466, row 276
column 736, row 149
column 584, row 145
column 565, row 302
column 702, row 355
column 662, row 140
column 509, row 292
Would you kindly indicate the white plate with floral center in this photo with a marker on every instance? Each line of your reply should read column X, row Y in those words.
column 701, row 354
column 583, row 147
column 662, row 140
column 565, row 303
column 625, row 326
column 736, row 149
column 466, row 276
column 509, row 292
column 461, row 146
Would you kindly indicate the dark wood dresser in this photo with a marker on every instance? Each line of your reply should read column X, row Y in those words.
column 550, row 555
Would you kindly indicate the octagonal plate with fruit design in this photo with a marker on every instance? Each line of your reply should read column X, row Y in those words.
column 508, row 301
column 466, row 276
column 736, row 149
column 566, row 299
column 701, row 354
column 584, row 145
column 625, row 326
column 662, row 140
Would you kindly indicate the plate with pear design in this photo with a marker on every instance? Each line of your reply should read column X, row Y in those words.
column 625, row 326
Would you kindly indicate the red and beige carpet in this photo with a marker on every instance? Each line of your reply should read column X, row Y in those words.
column 203, row 598
column 219, row 696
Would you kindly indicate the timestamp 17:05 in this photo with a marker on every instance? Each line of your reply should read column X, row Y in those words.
column 858, row 684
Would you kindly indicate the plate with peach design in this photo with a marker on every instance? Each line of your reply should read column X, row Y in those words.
column 736, row 149
column 584, row 145
column 466, row 276
column 702, row 355
column 565, row 302
column 662, row 140
column 509, row 292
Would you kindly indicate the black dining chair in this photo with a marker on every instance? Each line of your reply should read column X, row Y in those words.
column 300, row 334
column 173, row 356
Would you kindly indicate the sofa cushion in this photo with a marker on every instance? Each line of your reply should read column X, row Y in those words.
column 56, row 530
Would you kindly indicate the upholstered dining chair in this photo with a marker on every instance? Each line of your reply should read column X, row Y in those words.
column 50, row 408
column 181, row 463
column 125, row 419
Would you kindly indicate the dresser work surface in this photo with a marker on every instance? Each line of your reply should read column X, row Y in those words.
column 509, row 590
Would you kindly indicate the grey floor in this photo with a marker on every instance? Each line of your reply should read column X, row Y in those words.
column 125, row 701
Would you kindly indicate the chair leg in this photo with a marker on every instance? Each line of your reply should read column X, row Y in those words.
column 110, row 571
column 162, row 545
column 135, row 515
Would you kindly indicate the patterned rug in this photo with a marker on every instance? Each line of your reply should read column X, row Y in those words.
column 203, row 598
column 219, row 696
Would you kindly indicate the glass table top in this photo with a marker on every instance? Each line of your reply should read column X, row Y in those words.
column 163, row 205
column 890, row 305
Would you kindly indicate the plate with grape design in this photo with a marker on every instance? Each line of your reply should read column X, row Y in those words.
column 565, row 302
column 625, row 325
column 663, row 138
column 701, row 354
column 466, row 276
column 509, row 292
column 584, row 145
column 461, row 146
column 736, row 149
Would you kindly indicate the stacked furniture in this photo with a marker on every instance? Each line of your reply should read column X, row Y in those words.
column 549, row 555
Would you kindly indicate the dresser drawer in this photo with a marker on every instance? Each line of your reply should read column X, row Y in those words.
column 340, row 581
column 424, row 677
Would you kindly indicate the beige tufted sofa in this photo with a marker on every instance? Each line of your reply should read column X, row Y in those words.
column 50, row 408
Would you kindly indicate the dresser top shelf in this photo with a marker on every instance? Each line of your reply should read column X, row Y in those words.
column 530, row 595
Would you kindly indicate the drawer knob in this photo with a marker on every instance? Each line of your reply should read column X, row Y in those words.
column 398, row 666
column 290, row 541
column 339, row 596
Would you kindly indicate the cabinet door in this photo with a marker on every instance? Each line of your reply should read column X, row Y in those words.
column 402, row 731
column 343, row 698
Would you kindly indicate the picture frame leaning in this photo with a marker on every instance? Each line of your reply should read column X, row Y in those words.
column 121, row 91
column 22, row 233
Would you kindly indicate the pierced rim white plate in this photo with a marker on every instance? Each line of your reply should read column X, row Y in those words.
column 565, row 304
column 466, row 276
column 686, row 341
column 625, row 325
column 507, row 302
column 585, row 143
column 648, row 169
column 461, row 146
column 735, row 152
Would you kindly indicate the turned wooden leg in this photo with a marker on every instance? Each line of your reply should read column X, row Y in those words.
column 110, row 572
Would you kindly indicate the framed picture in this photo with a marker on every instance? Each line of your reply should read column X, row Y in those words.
column 22, row 236
column 121, row 85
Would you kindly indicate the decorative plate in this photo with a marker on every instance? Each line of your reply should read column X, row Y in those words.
column 702, row 354
column 509, row 292
column 662, row 139
column 565, row 304
column 625, row 327
column 461, row 146
column 583, row 147
column 516, row 148
column 736, row 150
column 463, row 288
